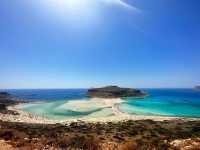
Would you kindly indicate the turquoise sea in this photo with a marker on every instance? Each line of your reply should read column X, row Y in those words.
column 73, row 103
column 167, row 102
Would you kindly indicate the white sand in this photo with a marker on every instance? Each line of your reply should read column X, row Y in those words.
column 94, row 103
column 118, row 115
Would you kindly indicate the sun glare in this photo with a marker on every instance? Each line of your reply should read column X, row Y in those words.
column 77, row 13
column 71, row 11
column 71, row 6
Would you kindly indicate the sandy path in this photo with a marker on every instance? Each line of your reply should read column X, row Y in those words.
column 6, row 146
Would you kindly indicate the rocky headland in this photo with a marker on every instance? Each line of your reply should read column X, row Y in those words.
column 115, row 92
column 7, row 100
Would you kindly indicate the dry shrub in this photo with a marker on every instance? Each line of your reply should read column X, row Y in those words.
column 84, row 143
column 129, row 146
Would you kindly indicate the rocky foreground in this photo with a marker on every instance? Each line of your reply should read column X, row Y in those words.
column 127, row 135
column 115, row 92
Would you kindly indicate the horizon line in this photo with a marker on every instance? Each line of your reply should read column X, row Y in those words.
column 93, row 87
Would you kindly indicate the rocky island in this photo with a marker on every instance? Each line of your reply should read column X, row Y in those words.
column 197, row 87
column 115, row 92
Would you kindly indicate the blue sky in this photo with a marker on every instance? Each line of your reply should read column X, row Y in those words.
column 89, row 43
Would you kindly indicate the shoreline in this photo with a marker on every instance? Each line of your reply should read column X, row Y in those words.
column 118, row 115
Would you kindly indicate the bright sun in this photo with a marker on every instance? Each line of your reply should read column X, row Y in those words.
column 81, row 7
column 78, row 12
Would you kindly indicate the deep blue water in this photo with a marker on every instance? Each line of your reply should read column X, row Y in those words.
column 170, row 102
column 48, row 94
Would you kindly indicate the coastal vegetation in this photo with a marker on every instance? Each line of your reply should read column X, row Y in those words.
column 124, row 135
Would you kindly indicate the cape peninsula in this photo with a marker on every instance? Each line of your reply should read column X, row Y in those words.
column 115, row 92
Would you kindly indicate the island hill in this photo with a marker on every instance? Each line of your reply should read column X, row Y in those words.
column 197, row 87
column 115, row 92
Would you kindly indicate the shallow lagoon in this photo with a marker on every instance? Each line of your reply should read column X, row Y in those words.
column 72, row 103
column 71, row 109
